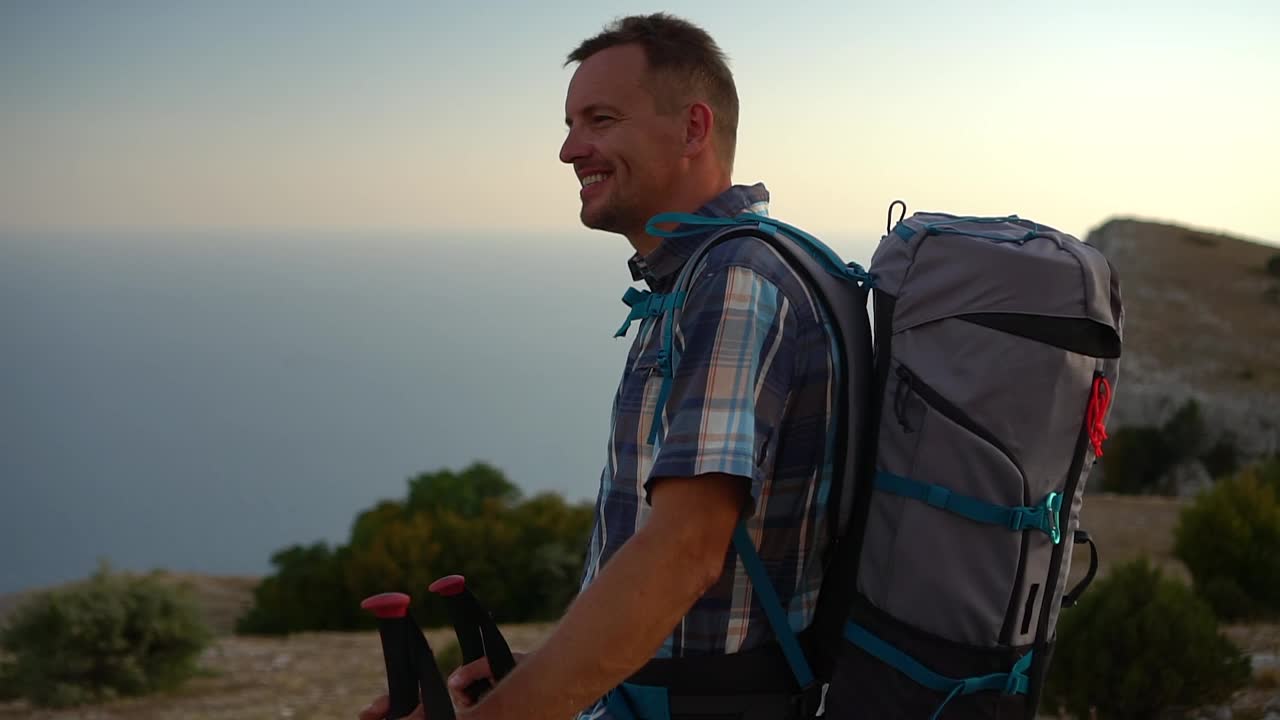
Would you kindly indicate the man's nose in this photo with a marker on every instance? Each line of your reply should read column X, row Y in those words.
column 573, row 149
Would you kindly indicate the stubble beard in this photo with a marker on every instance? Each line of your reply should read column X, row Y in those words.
column 611, row 216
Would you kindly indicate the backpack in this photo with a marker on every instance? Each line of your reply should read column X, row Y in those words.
column 975, row 399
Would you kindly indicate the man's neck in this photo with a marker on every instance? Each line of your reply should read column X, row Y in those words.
column 644, row 243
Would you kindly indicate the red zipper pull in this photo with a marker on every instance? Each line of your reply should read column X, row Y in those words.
column 1099, row 400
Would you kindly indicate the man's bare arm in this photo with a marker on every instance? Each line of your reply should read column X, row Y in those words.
column 621, row 619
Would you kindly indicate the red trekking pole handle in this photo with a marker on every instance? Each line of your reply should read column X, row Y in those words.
column 478, row 635
column 411, row 667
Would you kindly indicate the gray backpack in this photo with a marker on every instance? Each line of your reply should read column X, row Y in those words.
column 997, row 345
column 973, row 413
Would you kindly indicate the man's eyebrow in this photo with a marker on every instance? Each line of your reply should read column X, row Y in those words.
column 594, row 108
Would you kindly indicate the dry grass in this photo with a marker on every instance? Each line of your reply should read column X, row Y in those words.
column 316, row 676
column 1125, row 527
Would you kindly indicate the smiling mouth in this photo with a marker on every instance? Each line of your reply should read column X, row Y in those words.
column 592, row 182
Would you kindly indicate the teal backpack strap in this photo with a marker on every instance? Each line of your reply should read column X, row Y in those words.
column 762, row 586
column 825, row 256
column 698, row 224
column 629, row 701
column 667, row 366
column 645, row 304
column 1043, row 517
column 1013, row 682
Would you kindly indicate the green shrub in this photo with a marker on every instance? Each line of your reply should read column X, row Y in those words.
column 113, row 635
column 522, row 555
column 1185, row 435
column 307, row 592
column 1230, row 541
column 1134, row 459
column 448, row 657
column 1223, row 458
column 1273, row 265
column 1139, row 643
column 9, row 689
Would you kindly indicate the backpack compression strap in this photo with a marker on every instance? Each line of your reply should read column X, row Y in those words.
column 1013, row 682
column 1043, row 517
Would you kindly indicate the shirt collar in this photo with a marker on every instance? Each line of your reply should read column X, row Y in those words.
column 659, row 268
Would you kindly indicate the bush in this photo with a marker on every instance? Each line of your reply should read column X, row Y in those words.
column 1137, row 458
column 1139, row 643
column 1134, row 459
column 307, row 592
column 1230, row 541
column 9, row 689
column 523, row 556
column 1273, row 265
column 110, row 636
column 1223, row 458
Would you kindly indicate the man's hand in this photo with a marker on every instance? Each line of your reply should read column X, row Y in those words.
column 469, row 673
column 460, row 679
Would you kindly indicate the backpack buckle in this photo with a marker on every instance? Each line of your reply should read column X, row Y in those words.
column 1041, row 517
column 1052, row 506
column 806, row 702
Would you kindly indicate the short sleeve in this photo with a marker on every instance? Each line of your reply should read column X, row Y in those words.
column 736, row 340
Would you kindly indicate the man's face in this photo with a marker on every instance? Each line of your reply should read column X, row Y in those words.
column 626, row 156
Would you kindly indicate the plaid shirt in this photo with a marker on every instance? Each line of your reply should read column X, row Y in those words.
column 751, row 397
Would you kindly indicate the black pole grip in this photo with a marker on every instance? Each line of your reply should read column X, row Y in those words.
column 394, row 628
column 473, row 614
column 466, row 626
column 435, row 696
column 501, row 662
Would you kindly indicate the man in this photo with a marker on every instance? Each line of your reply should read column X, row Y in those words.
column 652, row 119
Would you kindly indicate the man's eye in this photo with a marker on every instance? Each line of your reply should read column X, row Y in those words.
column 599, row 119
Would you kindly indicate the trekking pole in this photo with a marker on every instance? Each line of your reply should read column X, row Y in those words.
column 478, row 635
column 392, row 611
column 412, row 673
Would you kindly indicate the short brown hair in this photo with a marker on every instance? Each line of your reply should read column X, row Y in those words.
column 684, row 61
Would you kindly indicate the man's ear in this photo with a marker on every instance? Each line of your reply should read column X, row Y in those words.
column 698, row 124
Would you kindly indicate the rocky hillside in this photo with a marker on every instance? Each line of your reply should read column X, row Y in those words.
column 1202, row 321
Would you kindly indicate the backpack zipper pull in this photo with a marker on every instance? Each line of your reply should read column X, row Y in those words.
column 900, row 398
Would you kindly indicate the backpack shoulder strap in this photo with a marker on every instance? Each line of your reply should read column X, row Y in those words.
column 840, row 290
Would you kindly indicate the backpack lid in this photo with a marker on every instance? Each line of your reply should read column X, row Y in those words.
column 940, row 265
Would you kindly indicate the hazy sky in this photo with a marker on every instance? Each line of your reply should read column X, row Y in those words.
column 449, row 115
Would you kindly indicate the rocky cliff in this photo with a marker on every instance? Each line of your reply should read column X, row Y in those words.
column 1202, row 321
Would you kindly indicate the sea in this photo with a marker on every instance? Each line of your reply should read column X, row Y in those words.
column 197, row 401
